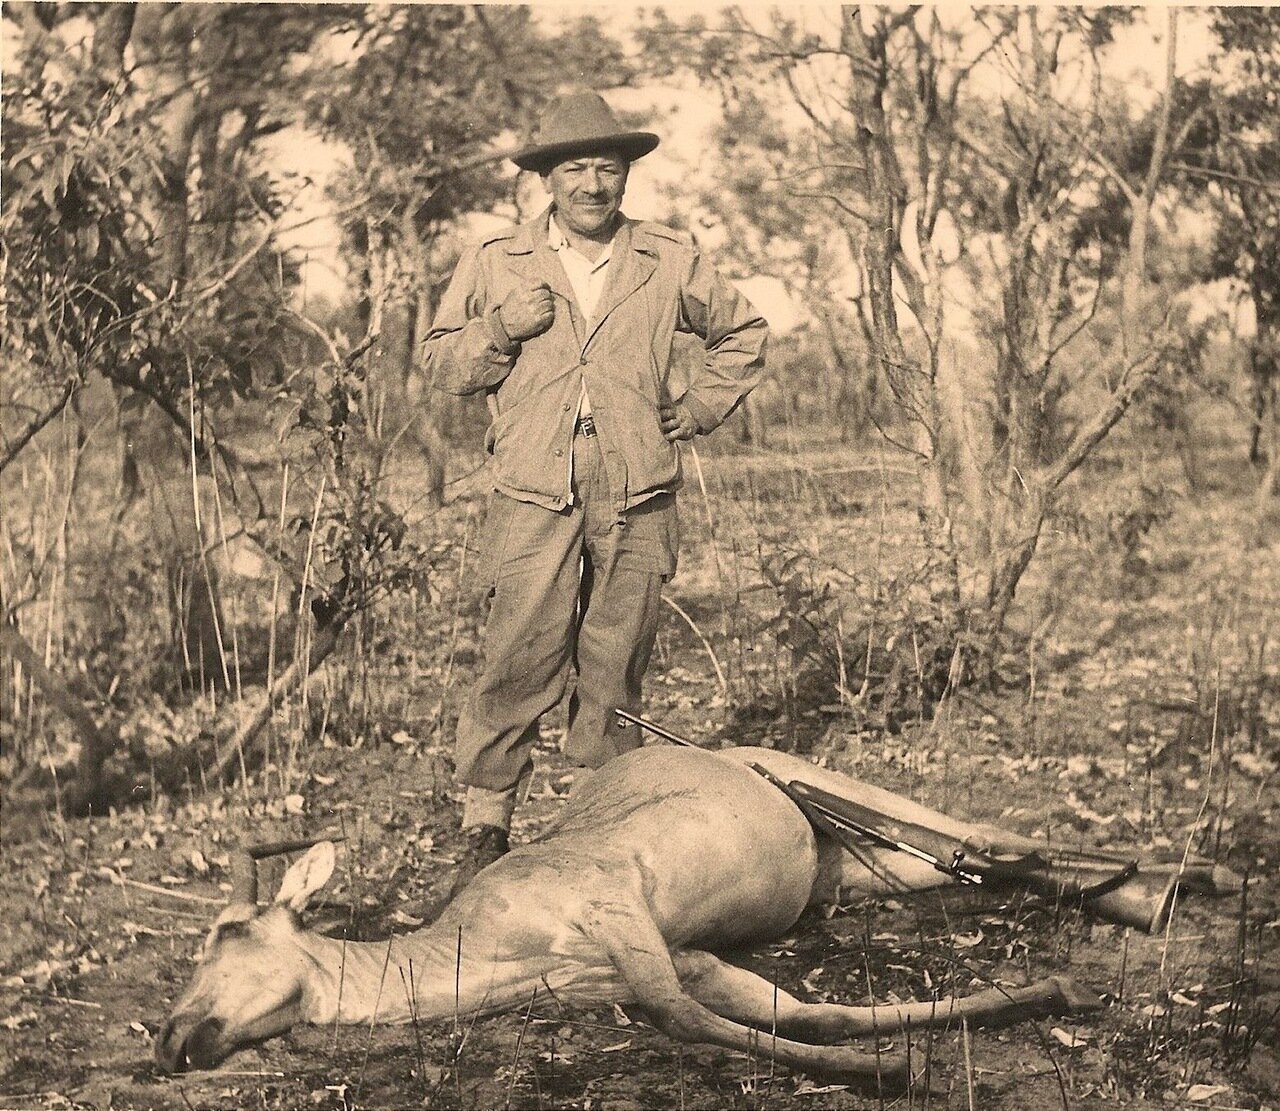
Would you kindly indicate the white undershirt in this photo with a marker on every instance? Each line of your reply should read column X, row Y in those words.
column 587, row 277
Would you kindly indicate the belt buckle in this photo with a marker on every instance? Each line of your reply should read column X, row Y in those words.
column 587, row 426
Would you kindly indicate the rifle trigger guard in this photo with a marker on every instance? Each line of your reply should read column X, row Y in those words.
column 963, row 874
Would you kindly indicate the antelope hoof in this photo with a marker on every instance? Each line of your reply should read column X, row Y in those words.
column 1077, row 998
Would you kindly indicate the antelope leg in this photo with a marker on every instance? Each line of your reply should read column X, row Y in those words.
column 874, row 872
column 637, row 949
column 745, row 997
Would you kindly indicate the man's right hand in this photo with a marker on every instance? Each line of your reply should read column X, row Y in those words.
column 526, row 313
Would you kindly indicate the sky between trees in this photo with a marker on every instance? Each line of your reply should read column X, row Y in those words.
column 684, row 115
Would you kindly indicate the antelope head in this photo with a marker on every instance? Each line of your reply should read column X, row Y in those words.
column 252, row 980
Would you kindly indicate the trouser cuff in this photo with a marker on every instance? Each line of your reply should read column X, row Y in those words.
column 483, row 807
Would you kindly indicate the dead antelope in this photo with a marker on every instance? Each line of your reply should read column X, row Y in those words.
column 664, row 856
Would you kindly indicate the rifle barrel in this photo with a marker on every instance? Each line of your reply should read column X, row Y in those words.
column 827, row 819
column 656, row 729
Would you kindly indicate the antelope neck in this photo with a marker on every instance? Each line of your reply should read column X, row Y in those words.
column 371, row 981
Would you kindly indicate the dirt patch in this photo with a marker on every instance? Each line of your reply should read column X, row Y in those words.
column 1141, row 717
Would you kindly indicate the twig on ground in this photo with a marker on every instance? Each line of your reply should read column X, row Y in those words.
column 156, row 889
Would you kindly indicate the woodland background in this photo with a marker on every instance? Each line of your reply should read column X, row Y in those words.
column 1002, row 528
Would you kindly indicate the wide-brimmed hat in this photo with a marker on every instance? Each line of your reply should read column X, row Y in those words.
column 579, row 124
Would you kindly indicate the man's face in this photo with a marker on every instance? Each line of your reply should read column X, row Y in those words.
column 587, row 191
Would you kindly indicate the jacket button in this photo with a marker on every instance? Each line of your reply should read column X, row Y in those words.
column 582, row 362
column 567, row 408
column 559, row 452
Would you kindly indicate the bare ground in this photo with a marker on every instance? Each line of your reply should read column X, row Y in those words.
column 1141, row 713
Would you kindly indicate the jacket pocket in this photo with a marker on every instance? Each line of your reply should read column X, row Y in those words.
column 650, row 541
column 493, row 539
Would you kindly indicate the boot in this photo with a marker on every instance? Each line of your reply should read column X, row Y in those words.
column 485, row 844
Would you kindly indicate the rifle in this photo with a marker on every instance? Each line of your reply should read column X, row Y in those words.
column 837, row 823
column 1077, row 876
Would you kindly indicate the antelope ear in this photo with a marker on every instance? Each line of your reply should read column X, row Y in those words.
column 306, row 876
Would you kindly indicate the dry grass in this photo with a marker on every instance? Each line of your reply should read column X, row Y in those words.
column 1138, row 707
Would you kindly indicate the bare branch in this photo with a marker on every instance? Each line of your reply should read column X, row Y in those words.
column 844, row 206
column 1133, row 378
column 1223, row 175
column 218, row 285
column 802, row 103
column 15, row 446
column 1113, row 172
column 1084, row 322
column 1160, row 145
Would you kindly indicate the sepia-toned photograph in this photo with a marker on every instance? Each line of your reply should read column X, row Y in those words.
column 588, row 556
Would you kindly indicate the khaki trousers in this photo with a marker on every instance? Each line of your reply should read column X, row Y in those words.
column 578, row 590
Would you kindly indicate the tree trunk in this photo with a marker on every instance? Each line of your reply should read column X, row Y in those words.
column 111, row 31
column 1264, row 376
column 95, row 743
column 295, row 675
column 435, row 410
column 953, row 398
column 163, row 44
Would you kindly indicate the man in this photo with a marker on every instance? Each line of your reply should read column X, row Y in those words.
column 566, row 323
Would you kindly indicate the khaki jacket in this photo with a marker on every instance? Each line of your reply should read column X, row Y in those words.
column 658, row 284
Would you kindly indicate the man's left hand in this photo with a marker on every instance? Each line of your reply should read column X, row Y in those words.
column 677, row 422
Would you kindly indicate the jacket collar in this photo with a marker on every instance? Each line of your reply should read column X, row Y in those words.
column 530, row 254
column 632, row 266
column 635, row 258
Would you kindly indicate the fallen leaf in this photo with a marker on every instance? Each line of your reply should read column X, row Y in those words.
column 808, row 1088
column 39, row 974
column 558, row 1057
column 618, row 1046
column 294, row 804
column 1070, row 1040
column 1198, row 1093
column 1083, row 811
column 1251, row 764
column 19, row 1020
column 1079, row 765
